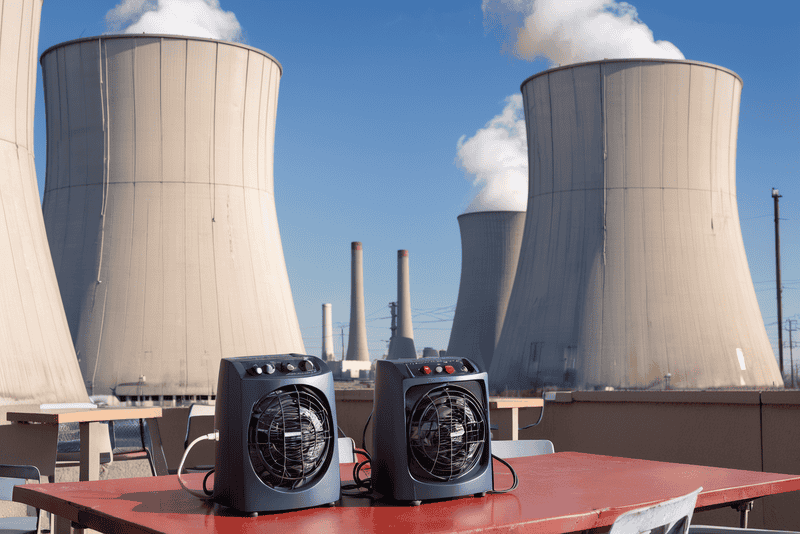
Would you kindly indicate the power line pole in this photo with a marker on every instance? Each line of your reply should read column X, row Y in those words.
column 775, row 197
column 791, row 357
column 342, row 343
column 393, row 309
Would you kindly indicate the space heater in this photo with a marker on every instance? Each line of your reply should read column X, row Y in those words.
column 431, row 430
column 277, row 447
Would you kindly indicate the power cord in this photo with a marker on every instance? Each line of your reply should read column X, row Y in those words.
column 206, row 493
column 513, row 475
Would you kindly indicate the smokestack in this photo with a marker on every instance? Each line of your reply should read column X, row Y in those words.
column 402, row 344
column 490, row 243
column 327, row 333
column 632, row 266
column 357, row 342
column 160, row 158
column 39, row 363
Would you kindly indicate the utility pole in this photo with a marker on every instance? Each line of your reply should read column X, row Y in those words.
column 393, row 309
column 775, row 197
column 791, row 357
column 342, row 343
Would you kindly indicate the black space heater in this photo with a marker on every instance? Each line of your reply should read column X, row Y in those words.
column 277, row 448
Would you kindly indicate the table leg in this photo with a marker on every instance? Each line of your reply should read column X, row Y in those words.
column 90, row 450
column 744, row 512
column 515, row 423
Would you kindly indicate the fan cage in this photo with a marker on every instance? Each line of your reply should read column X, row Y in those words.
column 290, row 437
column 446, row 433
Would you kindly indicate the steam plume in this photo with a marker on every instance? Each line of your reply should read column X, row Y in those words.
column 574, row 31
column 195, row 18
column 497, row 157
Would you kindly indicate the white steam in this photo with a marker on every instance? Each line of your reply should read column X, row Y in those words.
column 497, row 157
column 572, row 31
column 562, row 32
column 194, row 18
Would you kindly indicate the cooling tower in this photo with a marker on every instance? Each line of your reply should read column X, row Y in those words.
column 357, row 341
column 38, row 361
column 490, row 242
column 402, row 344
column 327, row 333
column 160, row 211
column 632, row 265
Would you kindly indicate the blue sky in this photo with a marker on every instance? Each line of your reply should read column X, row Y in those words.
column 376, row 95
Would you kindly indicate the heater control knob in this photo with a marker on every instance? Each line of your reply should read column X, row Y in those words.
column 269, row 368
column 306, row 365
column 449, row 369
column 464, row 368
column 439, row 369
column 288, row 367
column 255, row 370
column 426, row 370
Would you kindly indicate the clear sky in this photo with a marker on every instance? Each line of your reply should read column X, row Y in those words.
column 376, row 95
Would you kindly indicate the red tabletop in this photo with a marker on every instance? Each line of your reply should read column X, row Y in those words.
column 562, row 492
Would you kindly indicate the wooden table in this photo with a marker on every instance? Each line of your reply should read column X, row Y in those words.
column 561, row 492
column 90, row 425
column 506, row 420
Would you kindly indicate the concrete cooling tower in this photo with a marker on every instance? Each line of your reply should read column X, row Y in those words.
column 490, row 243
column 160, row 211
column 401, row 345
column 38, row 364
column 632, row 266
column 357, row 348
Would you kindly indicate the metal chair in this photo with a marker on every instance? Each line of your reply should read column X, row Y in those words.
column 667, row 517
column 130, row 440
column 346, row 454
column 199, row 423
column 10, row 476
column 506, row 448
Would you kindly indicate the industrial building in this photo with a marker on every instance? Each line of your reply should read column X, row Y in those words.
column 632, row 271
column 160, row 211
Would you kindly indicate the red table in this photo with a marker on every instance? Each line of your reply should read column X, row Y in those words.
column 562, row 492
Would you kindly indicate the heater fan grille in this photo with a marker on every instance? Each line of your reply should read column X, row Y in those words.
column 447, row 432
column 290, row 438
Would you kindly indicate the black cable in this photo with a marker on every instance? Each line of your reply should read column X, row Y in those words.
column 205, row 479
column 360, row 487
column 364, row 434
column 513, row 474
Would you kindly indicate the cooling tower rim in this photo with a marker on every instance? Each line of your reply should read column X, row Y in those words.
column 159, row 36
column 492, row 212
column 630, row 60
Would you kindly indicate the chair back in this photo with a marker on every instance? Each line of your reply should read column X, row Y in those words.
column 346, row 454
column 10, row 476
column 199, row 423
column 667, row 517
column 523, row 447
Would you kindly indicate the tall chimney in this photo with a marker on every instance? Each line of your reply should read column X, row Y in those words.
column 357, row 342
column 39, row 363
column 160, row 211
column 327, row 333
column 490, row 243
column 402, row 344
column 632, row 271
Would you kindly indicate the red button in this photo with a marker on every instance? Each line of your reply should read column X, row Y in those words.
column 426, row 369
column 450, row 369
